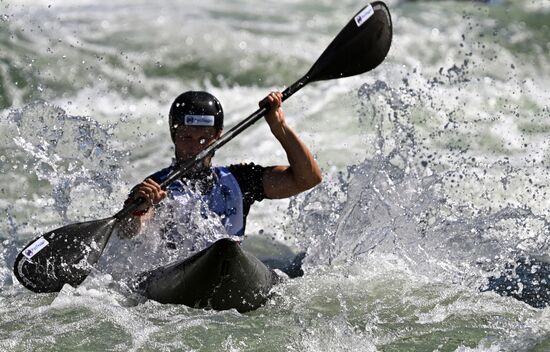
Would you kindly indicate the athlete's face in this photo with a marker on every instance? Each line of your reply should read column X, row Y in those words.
column 191, row 140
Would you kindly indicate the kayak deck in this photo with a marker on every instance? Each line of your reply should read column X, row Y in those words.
column 222, row 276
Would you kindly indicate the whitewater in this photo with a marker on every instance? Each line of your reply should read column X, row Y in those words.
column 435, row 165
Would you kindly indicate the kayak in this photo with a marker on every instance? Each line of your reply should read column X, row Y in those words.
column 220, row 277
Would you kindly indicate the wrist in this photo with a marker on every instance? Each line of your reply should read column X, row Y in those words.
column 138, row 212
column 279, row 130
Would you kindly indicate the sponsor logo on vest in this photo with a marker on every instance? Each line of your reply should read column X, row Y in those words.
column 35, row 247
column 364, row 15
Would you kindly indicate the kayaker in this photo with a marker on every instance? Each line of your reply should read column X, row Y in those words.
column 196, row 122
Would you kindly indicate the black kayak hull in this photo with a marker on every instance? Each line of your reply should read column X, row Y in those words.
column 222, row 276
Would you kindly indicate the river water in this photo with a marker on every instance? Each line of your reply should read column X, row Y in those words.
column 435, row 168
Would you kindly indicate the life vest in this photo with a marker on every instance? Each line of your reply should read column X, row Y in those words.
column 225, row 199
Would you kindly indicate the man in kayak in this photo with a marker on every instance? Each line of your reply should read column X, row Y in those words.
column 196, row 122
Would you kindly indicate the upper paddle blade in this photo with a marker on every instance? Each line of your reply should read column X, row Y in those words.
column 62, row 256
column 361, row 45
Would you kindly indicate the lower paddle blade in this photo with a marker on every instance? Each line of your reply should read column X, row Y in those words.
column 359, row 47
column 62, row 256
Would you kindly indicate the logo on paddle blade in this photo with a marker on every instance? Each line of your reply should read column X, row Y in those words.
column 364, row 15
column 35, row 247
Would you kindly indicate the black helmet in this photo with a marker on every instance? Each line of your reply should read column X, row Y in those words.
column 194, row 108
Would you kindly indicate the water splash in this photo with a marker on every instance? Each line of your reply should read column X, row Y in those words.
column 178, row 230
column 416, row 201
column 71, row 154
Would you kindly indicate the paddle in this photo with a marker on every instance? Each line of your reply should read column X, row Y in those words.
column 66, row 255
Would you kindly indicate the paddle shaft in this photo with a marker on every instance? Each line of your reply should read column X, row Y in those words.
column 225, row 138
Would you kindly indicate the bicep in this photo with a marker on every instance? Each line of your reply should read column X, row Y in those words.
column 279, row 182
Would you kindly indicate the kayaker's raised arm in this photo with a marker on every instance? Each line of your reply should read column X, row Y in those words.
column 303, row 172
